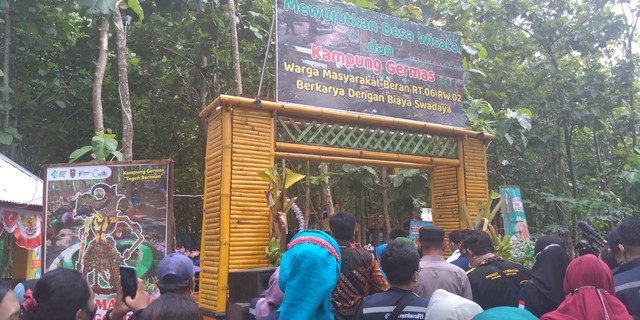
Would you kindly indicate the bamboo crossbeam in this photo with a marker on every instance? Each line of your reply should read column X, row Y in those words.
column 320, row 158
column 321, row 113
column 286, row 147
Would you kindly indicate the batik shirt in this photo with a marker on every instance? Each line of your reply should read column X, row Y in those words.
column 359, row 277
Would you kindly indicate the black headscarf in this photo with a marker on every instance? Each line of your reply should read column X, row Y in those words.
column 543, row 242
column 545, row 289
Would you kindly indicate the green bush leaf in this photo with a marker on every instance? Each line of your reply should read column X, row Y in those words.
column 79, row 153
column 6, row 138
column 135, row 6
column 97, row 7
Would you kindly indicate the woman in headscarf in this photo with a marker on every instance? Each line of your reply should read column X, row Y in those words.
column 543, row 292
column 309, row 271
column 589, row 287
column 272, row 297
column 445, row 305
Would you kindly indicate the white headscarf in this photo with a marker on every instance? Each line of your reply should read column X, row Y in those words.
column 444, row 305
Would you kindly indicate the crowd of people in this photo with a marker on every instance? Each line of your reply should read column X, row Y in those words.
column 326, row 276
column 409, row 281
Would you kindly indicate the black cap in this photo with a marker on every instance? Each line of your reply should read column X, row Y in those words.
column 431, row 234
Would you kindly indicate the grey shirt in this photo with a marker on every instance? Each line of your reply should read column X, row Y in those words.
column 436, row 273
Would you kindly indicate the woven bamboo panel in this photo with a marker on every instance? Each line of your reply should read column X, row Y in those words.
column 475, row 165
column 250, row 219
column 444, row 198
column 210, row 248
column 363, row 137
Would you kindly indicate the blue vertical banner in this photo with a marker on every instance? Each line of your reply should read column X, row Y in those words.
column 515, row 221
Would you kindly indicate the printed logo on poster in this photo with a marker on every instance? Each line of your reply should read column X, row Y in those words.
column 78, row 173
column 334, row 55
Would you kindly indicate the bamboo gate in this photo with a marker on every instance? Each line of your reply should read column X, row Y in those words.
column 244, row 137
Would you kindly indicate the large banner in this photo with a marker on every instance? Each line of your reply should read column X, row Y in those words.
column 515, row 222
column 334, row 55
column 100, row 216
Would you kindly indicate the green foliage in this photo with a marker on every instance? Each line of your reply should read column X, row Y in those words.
column 135, row 6
column 272, row 252
column 102, row 146
column 530, row 68
column 502, row 246
column 97, row 7
column 522, row 253
column 409, row 190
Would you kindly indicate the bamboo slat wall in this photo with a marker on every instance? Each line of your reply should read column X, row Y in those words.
column 444, row 198
column 250, row 219
column 210, row 244
column 475, row 171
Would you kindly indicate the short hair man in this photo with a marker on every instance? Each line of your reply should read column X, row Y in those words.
column 359, row 271
column 435, row 272
column 628, row 277
column 615, row 248
column 401, row 262
column 494, row 282
column 393, row 234
column 454, row 245
column 463, row 259
column 176, row 274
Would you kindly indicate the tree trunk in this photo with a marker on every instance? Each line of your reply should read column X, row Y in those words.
column 604, row 185
column 385, row 204
column 567, row 145
column 326, row 190
column 629, row 45
column 234, row 44
column 123, row 85
column 98, row 76
column 6, row 65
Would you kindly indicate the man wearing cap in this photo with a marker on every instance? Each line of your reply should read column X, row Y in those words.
column 435, row 272
column 176, row 274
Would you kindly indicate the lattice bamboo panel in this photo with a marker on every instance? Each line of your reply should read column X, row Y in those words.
column 250, row 217
column 210, row 247
column 363, row 137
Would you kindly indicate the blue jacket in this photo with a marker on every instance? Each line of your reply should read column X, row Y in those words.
column 462, row 262
column 628, row 286
column 380, row 305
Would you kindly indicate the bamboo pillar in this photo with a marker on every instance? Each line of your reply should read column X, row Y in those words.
column 225, row 207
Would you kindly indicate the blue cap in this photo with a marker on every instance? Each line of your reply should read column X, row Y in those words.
column 177, row 265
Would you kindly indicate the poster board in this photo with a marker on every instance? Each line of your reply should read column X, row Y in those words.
column 101, row 215
column 334, row 55
column 515, row 221
column 414, row 228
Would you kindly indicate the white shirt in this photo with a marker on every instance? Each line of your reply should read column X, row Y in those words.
column 454, row 256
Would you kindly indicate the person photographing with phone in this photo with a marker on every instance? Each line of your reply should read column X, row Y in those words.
column 176, row 275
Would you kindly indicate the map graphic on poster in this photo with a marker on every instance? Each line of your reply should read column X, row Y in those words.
column 334, row 55
column 102, row 216
column 515, row 222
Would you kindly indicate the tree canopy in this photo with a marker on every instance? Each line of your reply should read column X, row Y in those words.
column 555, row 80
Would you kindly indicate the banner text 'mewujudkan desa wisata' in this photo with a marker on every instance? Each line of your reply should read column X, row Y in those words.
column 338, row 56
